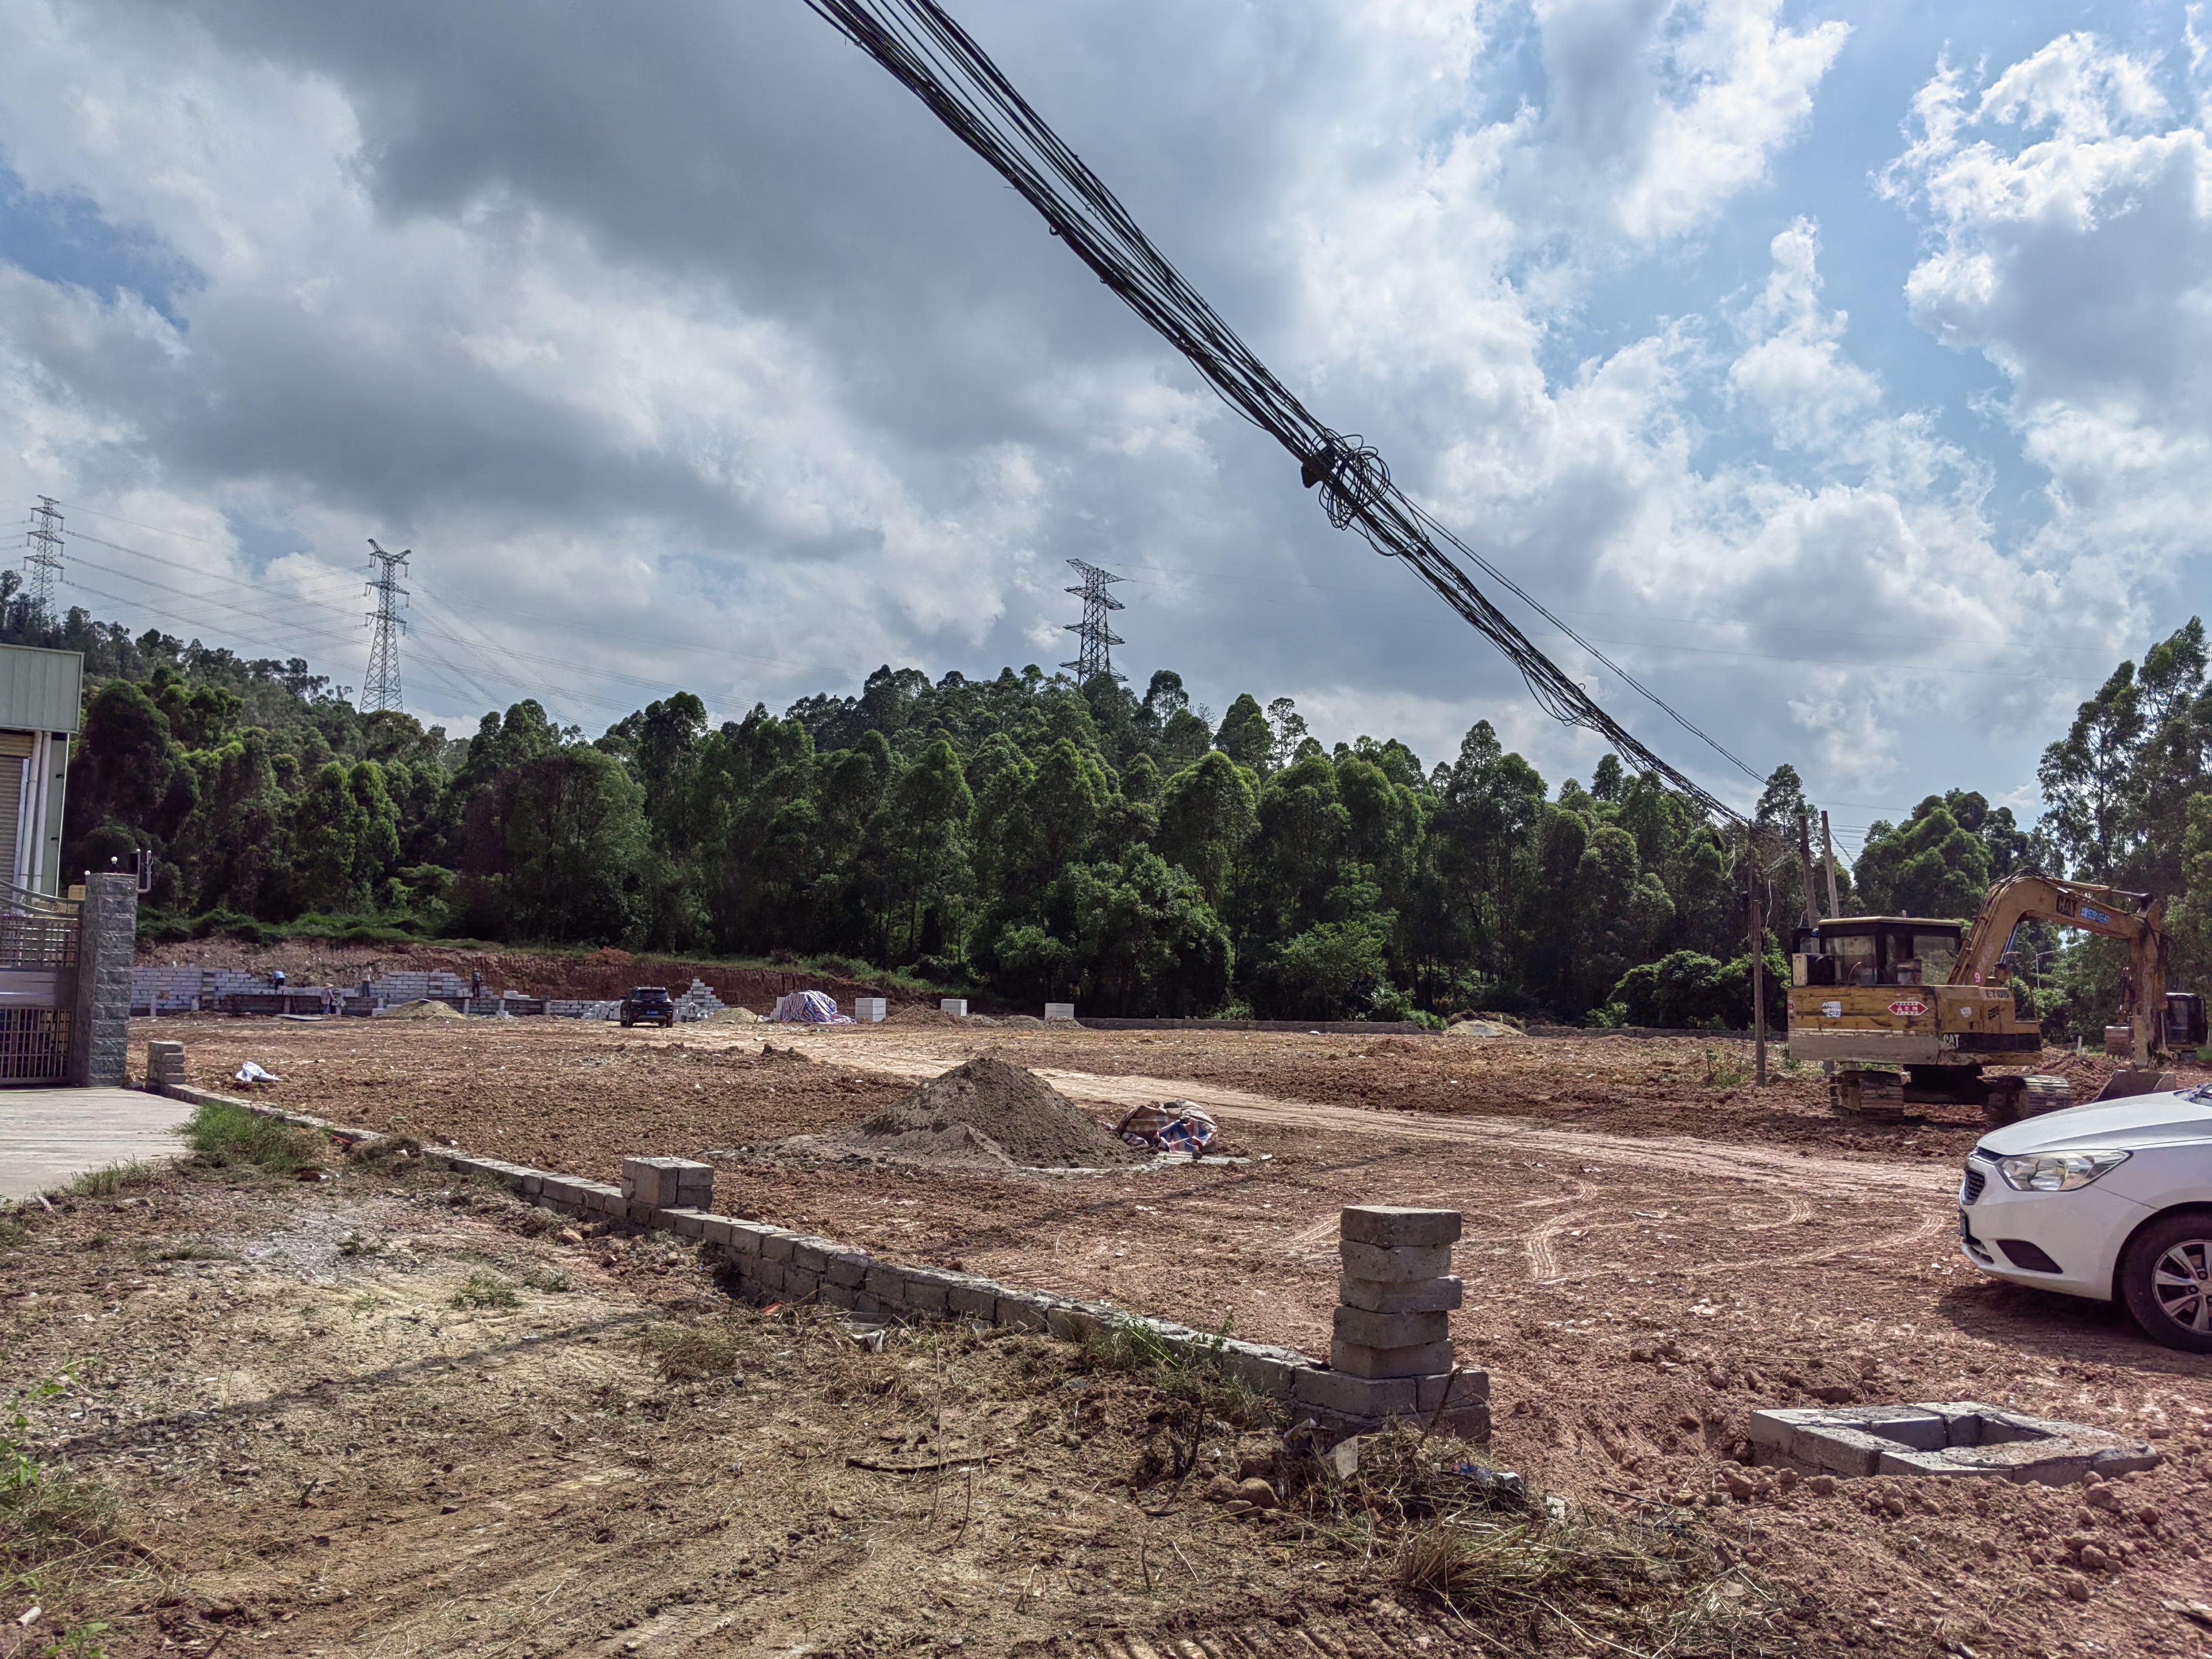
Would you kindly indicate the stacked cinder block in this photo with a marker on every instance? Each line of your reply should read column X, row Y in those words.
column 165, row 1065
column 1391, row 1355
column 665, row 1183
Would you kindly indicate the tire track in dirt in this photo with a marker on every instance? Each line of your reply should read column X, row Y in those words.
column 1869, row 1248
column 1543, row 1259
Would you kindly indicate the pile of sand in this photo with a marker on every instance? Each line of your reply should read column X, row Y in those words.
column 735, row 1017
column 920, row 1013
column 1024, row 1022
column 421, row 1008
column 987, row 1115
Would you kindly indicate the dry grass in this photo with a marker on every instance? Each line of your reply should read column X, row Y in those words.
column 1442, row 1524
column 56, row 1529
column 696, row 1353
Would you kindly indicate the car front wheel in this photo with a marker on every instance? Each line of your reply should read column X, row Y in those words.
column 2166, row 1278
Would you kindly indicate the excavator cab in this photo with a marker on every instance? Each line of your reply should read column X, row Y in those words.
column 1875, row 951
column 2184, row 1021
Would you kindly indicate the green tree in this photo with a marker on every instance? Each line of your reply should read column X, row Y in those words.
column 1141, row 937
column 556, row 846
column 130, row 786
column 1244, row 736
column 1206, row 816
column 922, row 831
column 1931, row 865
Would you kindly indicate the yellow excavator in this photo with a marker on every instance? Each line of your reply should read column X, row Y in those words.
column 1911, row 1009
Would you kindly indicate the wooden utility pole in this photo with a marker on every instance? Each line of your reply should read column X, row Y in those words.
column 1805, row 865
column 1755, row 918
column 1812, row 914
column 1827, row 841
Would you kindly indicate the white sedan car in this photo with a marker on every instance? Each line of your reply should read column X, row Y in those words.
column 2106, row 1201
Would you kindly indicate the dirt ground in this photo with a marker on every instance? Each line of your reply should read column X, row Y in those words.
column 1654, row 1248
column 379, row 1417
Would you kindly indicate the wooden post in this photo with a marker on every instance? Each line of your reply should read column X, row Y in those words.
column 1827, row 841
column 1812, row 911
column 1805, row 865
column 1757, row 920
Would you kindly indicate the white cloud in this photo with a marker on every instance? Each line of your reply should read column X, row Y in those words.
column 1740, row 85
column 757, row 379
column 1795, row 369
column 2074, row 210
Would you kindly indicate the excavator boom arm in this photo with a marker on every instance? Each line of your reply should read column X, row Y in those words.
column 2092, row 909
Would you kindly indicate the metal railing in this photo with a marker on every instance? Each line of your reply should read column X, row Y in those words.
column 37, row 930
column 34, row 1044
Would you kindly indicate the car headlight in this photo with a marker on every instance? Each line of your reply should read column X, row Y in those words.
column 2057, row 1172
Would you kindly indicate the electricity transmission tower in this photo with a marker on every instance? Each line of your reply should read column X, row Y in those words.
column 1094, row 652
column 45, row 559
column 381, row 688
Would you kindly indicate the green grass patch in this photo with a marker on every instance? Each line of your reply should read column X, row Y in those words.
column 486, row 1291
column 111, row 1182
column 226, row 1137
column 1195, row 1374
column 549, row 1281
column 14, row 1235
column 1724, row 1072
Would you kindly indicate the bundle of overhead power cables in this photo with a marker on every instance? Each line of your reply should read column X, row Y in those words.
column 920, row 44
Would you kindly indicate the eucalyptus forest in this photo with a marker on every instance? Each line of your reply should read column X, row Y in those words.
column 1030, row 837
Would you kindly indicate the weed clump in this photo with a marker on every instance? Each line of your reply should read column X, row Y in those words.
column 1446, row 1527
column 486, row 1291
column 226, row 1137
column 694, row 1353
column 1192, row 1374
column 111, row 1182
column 1195, row 1394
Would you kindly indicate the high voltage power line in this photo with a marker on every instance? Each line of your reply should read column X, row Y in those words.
column 936, row 59
column 455, row 677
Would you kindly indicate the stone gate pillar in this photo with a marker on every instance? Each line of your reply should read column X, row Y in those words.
column 106, row 940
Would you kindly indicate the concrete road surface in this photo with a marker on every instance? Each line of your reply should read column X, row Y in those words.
column 48, row 1137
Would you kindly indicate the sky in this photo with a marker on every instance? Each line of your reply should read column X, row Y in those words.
column 1838, row 370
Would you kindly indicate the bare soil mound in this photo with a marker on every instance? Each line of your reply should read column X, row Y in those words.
column 423, row 1010
column 1018, row 1113
column 919, row 1013
column 1024, row 1022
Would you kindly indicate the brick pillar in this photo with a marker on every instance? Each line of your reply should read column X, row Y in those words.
column 106, row 940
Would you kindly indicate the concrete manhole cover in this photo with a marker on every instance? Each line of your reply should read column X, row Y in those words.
column 1963, row 1438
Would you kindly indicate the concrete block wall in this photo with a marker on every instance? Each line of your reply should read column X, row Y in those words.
column 776, row 1264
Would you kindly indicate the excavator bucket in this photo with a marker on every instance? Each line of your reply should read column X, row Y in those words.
column 2130, row 1080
